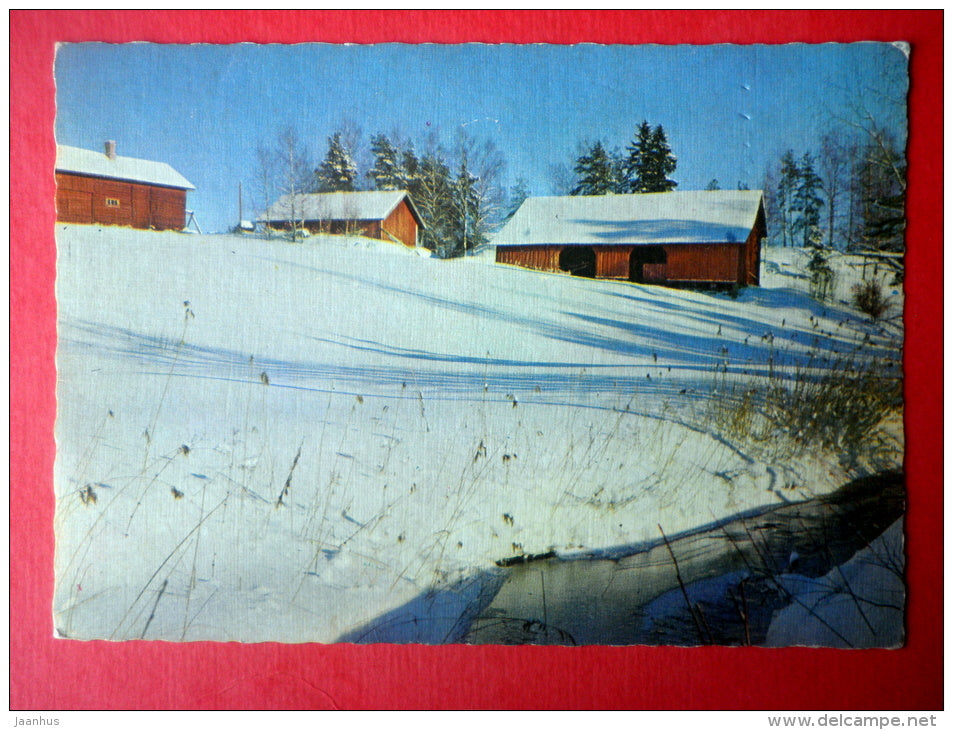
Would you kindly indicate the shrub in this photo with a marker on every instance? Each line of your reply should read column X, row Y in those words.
column 839, row 411
column 839, row 406
column 822, row 276
column 869, row 298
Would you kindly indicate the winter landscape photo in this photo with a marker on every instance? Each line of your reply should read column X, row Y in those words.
column 481, row 344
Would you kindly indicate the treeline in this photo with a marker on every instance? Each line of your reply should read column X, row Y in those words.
column 457, row 191
column 849, row 194
column 644, row 166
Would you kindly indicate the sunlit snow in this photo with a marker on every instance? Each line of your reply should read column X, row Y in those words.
column 259, row 440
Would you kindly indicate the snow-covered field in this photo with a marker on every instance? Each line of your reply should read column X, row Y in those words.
column 260, row 440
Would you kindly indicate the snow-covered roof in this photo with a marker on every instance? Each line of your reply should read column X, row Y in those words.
column 703, row 216
column 374, row 205
column 98, row 164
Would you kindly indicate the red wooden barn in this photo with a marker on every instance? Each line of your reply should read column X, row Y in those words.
column 94, row 187
column 699, row 238
column 388, row 215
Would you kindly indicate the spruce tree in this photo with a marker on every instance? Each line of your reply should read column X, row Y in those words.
column 638, row 151
column 338, row 171
column 787, row 185
column 410, row 165
column 650, row 162
column 433, row 195
column 881, row 193
column 388, row 172
column 465, row 226
column 595, row 173
column 806, row 202
column 480, row 166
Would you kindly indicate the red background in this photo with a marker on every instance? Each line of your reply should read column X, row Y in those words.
column 49, row 675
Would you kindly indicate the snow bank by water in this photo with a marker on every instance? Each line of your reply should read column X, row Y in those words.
column 857, row 605
column 260, row 440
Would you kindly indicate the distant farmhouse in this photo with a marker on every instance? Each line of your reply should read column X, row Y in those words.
column 698, row 238
column 102, row 187
column 388, row 215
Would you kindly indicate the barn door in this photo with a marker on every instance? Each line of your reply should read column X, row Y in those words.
column 647, row 264
column 578, row 261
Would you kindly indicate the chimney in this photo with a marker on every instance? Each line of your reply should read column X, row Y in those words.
column 110, row 149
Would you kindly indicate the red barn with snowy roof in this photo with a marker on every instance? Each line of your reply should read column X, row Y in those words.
column 697, row 238
column 388, row 215
column 102, row 187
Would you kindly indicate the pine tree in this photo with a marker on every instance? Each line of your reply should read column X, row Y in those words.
column 649, row 163
column 484, row 165
column 460, row 198
column 410, row 165
column 881, row 181
column 617, row 162
column 787, row 185
column 338, row 171
column 433, row 194
column 806, row 203
column 388, row 172
column 799, row 201
column 595, row 173
column 466, row 232
column 638, row 151
column 834, row 166
column 662, row 164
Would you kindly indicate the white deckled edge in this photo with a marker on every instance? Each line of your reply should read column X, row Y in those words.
column 903, row 47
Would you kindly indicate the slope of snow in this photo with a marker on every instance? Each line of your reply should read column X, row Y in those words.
column 260, row 440
column 857, row 605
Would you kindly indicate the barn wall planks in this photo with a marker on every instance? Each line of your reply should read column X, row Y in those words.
column 716, row 263
column 697, row 263
column 402, row 225
column 540, row 258
column 82, row 199
column 612, row 262
column 752, row 274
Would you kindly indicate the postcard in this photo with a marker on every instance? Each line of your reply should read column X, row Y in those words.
column 481, row 344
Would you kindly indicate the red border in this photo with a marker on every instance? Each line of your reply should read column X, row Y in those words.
column 47, row 674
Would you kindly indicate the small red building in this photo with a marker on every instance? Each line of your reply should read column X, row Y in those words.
column 697, row 238
column 388, row 215
column 93, row 187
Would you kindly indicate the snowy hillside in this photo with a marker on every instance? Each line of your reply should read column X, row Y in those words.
column 266, row 441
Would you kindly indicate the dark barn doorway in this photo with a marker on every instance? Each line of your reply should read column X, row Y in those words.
column 644, row 264
column 578, row 261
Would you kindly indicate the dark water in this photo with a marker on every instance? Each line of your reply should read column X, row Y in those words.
column 715, row 586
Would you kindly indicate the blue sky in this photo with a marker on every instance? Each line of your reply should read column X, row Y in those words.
column 728, row 111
